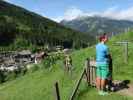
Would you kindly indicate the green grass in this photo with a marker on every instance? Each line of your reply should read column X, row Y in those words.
column 40, row 84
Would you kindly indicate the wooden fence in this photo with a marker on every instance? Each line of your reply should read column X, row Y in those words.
column 90, row 73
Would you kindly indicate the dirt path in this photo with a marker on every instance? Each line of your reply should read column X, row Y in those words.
column 127, row 91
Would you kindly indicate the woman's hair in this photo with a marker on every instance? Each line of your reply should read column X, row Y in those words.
column 102, row 37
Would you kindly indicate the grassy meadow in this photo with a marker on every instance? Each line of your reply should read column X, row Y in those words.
column 39, row 85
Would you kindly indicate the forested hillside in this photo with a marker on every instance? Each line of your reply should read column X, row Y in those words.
column 21, row 27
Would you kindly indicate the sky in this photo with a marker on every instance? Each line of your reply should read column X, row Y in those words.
column 58, row 10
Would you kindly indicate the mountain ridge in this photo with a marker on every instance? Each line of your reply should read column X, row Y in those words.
column 95, row 25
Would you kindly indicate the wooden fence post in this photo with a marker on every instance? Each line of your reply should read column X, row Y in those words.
column 91, row 71
column 57, row 91
column 88, row 70
column 126, row 52
column 93, row 75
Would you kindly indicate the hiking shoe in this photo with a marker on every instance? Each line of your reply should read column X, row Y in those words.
column 102, row 93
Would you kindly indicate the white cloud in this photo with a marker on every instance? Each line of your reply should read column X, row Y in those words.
column 72, row 13
column 58, row 19
column 112, row 12
column 8, row 1
column 126, row 14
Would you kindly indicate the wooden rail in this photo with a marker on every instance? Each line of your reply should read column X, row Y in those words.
column 89, row 72
column 57, row 91
column 77, row 85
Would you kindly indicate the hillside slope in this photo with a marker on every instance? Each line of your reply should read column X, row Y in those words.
column 17, row 22
column 40, row 85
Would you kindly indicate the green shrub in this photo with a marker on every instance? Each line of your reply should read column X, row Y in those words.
column 33, row 68
column 47, row 62
column 2, row 77
column 23, row 70
column 10, row 76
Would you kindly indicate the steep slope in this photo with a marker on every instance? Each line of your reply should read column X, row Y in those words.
column 18, row 22
column 97, row 25
column 40, row 85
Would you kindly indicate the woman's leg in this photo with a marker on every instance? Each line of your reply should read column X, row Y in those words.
column 98, row 83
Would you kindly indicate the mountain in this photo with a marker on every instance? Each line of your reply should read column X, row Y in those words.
column 96, row 25
column 21, row 27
